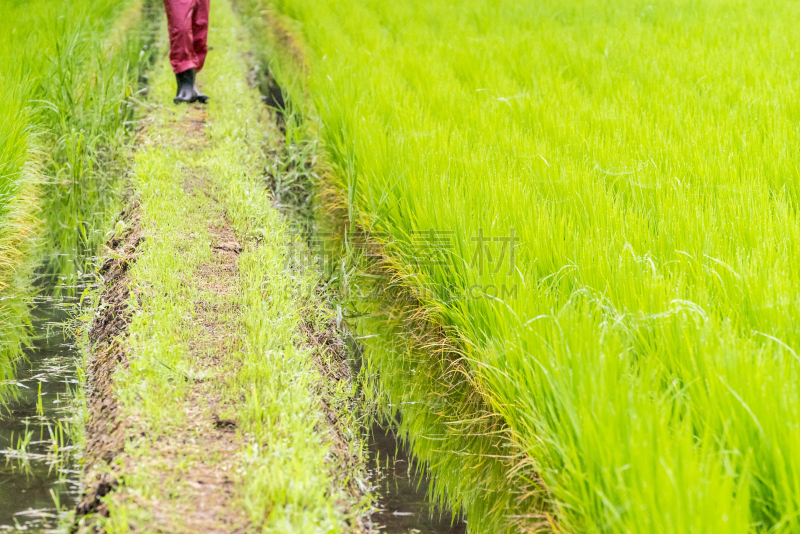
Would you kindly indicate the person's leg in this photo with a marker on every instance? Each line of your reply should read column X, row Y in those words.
column 200, row 32
column 182, row 56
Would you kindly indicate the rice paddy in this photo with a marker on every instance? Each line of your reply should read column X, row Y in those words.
column 563, row 234
column 598, row 201
column 65, row 75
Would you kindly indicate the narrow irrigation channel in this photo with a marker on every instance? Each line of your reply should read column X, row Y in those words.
column 38, row 476
column 402, row 500
column 400, row 484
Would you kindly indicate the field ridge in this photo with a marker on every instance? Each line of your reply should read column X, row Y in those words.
column 237, row 400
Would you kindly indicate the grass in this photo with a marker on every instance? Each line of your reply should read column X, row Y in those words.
column 643, row 354
column 251, row 365
column 63, row 110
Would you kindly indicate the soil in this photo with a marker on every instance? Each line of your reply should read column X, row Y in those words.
column 105, row 429
column 331, row 360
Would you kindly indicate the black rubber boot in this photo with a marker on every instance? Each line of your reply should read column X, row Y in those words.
column 198, row 96
column 185, row 87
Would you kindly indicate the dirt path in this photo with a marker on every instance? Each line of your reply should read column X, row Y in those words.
column 200, row 439
column 193, row 453
column 218, row 395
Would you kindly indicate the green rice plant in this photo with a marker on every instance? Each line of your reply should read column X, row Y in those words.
column 19, row 175
column 66, row 77
column 596, row 201
column 33, row 38
column 87, row 108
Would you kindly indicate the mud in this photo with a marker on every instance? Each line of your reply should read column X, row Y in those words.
column 105, row 429
column 331, row 359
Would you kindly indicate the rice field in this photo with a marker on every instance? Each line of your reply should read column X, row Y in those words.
column 597, row 200
column 580, row 222
column 66, row 74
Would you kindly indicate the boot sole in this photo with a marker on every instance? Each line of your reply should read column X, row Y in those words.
column 202, row 100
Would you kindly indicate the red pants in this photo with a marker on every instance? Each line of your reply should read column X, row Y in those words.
column 188, row 33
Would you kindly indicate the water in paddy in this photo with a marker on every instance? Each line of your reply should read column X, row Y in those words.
column 34, row 474
column 402, row 488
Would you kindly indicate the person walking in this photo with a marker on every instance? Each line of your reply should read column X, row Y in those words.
column 188, row 45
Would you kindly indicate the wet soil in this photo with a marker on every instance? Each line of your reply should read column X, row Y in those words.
column 105, row 429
